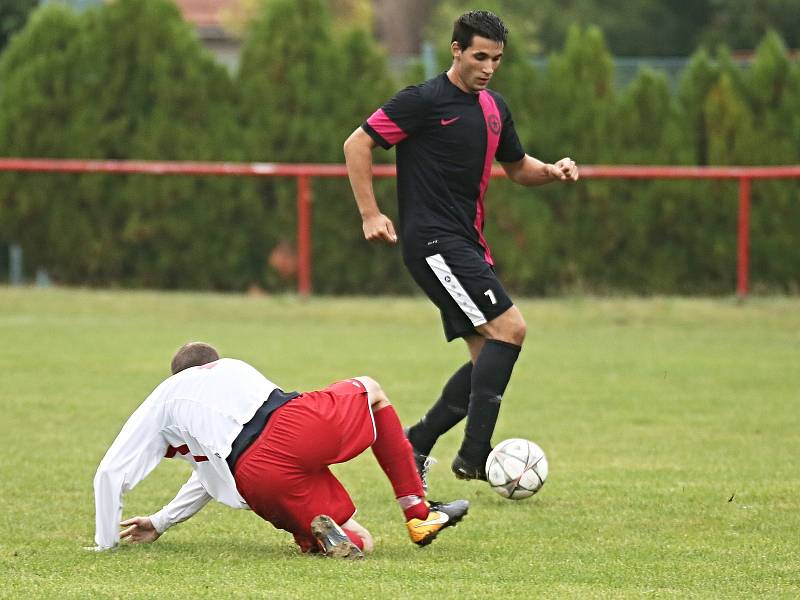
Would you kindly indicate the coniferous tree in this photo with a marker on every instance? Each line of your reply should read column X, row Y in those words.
column 284, row 81
column 697, row 79
column 163, row 97
column 773, row 94
column 649, row 134
column 13, row 16
column 729, row 123
column 578, row 108
column 302, row 92
column 337, row 234
column 771, row 87
column 127, row 80
column 40, row 106
column 288, row 82
column 579, row 84
column 646, row 121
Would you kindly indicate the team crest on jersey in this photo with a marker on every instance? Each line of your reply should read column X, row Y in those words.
column 494, row 124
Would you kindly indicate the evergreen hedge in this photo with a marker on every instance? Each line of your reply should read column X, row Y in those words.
column 130, row 80
column 125, row 80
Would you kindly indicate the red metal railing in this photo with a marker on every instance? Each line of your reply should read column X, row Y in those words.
column 304, row 172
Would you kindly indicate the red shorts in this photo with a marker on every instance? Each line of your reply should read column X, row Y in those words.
column 284, row 475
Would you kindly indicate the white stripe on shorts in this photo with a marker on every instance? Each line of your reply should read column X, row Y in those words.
column 455, row 289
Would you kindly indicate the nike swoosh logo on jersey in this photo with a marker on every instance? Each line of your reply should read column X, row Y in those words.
column 441, row 520
column 446, row 122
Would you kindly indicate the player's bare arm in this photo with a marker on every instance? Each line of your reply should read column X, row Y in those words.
column 531, row 171
column 358, row 156
column 139, row 530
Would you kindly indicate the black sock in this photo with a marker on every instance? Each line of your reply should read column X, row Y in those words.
column 489, row 380
column 446, row 413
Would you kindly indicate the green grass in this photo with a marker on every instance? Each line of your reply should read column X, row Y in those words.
column 672, row 428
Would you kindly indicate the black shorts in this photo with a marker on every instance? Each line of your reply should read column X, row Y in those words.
column 463, row 285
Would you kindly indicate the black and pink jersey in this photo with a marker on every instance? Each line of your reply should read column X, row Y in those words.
column 446, row 141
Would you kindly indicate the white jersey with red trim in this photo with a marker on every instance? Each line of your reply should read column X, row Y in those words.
column 195, row 414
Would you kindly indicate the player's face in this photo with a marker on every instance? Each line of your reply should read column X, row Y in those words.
column 475, row 66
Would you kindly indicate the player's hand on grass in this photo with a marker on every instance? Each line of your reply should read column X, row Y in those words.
column 565, row 170
column 379, row 228
column 139, row 530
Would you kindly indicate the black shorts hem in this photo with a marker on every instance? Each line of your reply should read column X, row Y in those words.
column 463, row 286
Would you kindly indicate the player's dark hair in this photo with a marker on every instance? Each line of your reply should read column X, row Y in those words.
column 478, row 22
column 193, row 354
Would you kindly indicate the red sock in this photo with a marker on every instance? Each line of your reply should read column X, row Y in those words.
column 417, row 508
column 355, row 538
column 396, row 458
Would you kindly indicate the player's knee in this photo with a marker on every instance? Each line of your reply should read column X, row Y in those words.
column 377, row 397
column 514, row 327
column 509, row 327
column 373, row 387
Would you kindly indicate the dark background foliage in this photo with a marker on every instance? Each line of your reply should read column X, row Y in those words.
column 130, row 80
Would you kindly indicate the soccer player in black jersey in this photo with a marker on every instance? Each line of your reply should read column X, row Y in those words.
column 447, row 132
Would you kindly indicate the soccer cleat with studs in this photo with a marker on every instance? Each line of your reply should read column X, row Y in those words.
column 464, row 470
column 441, row 516
column 332, row 540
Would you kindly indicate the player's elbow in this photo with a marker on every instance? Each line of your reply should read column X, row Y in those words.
column 516, row 171
column 358, row 146
column 102, row 477
column 106, row 478
column 349, row 144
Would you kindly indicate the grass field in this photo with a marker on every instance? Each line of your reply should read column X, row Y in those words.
column 672, row 427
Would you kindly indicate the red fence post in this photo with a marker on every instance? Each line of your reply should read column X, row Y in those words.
column 303, row 173
column 303, row 235
column 742, row 267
